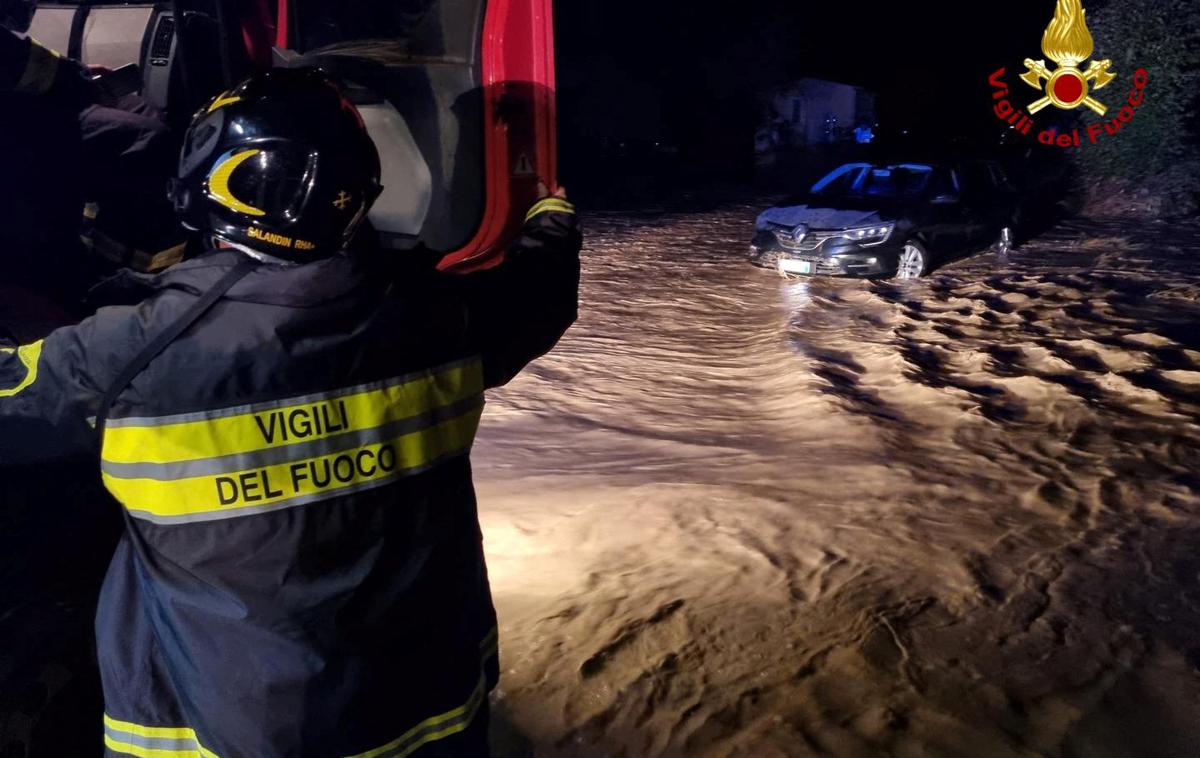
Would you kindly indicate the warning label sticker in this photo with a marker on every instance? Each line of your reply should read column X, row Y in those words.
column 523, row 166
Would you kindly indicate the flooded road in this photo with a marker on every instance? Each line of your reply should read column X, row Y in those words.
column 736, row 515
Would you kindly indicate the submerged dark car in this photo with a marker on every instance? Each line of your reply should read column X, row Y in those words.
column 884, row 220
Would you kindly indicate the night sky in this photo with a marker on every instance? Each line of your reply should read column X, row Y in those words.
column 687, row 74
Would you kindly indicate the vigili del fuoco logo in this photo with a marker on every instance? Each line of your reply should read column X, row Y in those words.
column 1069, row 85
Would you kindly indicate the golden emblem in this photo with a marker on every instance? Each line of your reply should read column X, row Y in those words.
column 342, row 200
column 1068, row 43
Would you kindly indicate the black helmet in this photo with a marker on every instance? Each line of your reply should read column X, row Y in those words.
column 281, row 163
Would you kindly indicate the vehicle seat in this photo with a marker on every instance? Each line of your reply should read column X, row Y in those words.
column 426, row 120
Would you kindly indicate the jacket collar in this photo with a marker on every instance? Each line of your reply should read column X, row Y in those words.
column 303, row 285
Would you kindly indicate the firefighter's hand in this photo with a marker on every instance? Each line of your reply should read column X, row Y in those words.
column 553, row 204
column 551, row 223
column 544, row 191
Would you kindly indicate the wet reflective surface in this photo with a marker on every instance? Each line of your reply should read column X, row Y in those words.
column 733, row 514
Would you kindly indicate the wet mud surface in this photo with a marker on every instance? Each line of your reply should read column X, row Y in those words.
column 733, row 514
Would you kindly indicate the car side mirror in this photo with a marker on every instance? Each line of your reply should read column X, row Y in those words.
column 946, row 199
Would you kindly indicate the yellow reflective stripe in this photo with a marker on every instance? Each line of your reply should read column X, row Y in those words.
column 444, row 724
column 170, row 733
column 487, row 646
column 128, row 748
column 548, row 204
column 295, row 482
column 162, row 259
column 218, row 183
column 29, row 356
column 432, row 729
column 40, row 70
column 136, row 739
column 275, row 425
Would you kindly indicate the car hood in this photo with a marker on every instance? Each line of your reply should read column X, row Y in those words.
column 823, row 215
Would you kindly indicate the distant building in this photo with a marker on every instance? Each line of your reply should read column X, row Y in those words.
column 812, row 112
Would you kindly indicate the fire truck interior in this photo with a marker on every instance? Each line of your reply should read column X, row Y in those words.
column 457, row 94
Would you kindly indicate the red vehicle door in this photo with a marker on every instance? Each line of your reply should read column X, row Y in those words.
column 520, row 124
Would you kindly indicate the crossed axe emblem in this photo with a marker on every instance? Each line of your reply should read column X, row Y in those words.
column 1067, row 87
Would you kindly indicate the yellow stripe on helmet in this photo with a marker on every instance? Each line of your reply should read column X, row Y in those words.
column 222, row 100
column 218, row 183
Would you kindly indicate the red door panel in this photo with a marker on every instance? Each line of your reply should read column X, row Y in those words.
column 520, row 135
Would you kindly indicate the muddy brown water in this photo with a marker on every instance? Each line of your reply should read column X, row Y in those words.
column 733, row 514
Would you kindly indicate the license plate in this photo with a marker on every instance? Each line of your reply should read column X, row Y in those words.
column 791, row 266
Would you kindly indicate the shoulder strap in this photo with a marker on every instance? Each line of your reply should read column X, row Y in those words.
column 167, row 336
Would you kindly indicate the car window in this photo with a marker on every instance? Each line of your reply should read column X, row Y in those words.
column 980, row 178
column 841, row 180
column 894, row 181
column 902, row 180
column 945, row 181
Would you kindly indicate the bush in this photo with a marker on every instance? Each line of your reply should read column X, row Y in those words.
column 1155, row 162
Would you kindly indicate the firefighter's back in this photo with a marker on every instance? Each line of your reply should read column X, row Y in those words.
column 303, row 572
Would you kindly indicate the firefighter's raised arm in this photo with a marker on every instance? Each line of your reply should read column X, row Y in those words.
column 519, row 310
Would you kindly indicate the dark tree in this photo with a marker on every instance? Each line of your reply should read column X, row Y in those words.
column 1158, row 151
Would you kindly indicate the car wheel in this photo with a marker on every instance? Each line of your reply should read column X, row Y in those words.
column 912, row 261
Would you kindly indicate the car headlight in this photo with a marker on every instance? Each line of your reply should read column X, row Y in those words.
column 869, row 235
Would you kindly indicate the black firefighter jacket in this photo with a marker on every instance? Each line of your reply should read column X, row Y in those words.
column 301, row 572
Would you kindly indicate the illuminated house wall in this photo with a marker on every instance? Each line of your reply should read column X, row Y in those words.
column 813, row 112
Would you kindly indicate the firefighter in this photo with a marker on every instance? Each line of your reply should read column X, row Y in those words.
column 286, row 428
column 68, row 140
column 41, row 96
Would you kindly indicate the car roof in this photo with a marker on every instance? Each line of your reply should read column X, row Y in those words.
column 910, row 165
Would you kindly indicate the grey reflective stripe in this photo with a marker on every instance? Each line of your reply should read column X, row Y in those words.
column 318, row 397
column 228, row 464
column 300, row 499
column 152, row 743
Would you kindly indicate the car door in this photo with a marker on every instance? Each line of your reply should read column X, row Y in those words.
column 982, row 205
column 945, row 219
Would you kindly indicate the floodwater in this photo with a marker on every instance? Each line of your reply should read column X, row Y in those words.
column 733, row 514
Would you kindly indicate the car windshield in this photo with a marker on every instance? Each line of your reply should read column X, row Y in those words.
column 869, row 180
